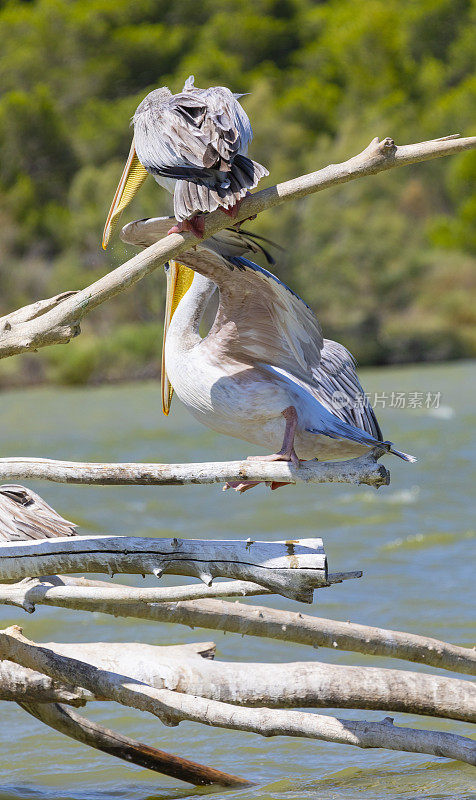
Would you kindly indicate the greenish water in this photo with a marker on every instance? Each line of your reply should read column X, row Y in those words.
column 413, row 540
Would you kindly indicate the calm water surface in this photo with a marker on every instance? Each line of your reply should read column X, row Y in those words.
column 413, row 540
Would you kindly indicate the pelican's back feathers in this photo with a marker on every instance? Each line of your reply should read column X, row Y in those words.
column 199, row 138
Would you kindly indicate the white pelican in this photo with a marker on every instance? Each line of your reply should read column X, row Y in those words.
column 25, row 515
column 194, row 144
column 263, row 373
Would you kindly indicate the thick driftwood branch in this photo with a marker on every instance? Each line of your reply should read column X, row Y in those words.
column 300, row 629
column 83, row 730
column 293, row 685
column 62, row 322
column 293, row 568
column 364, row 469
column 50, row 592
column 20, row 684
column 172, row 707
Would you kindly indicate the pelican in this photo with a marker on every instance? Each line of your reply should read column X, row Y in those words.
column 194, row 144
column 25, row 515
column 263, row 373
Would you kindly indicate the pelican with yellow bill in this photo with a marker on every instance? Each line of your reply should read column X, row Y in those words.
column 195, row 145
column 263, row 372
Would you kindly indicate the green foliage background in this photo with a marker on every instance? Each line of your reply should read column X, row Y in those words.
column 386, row 262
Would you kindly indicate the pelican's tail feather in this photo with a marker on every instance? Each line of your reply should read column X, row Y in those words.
column 200, row 191
column 403, row 456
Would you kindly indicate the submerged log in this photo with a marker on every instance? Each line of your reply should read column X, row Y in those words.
column 172, row 707
column 116, row 744
column 293, row 568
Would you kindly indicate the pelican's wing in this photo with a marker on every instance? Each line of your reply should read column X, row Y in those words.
column 25, row 515
column 259, row 319
column 336, row 385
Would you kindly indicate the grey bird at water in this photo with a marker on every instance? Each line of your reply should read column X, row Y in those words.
column 194, row 144
column 25, row 515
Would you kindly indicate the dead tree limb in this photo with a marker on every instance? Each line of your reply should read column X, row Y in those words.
column 303, row 684
column 299, row 628
column 242, row 618
column 56, row 591
column 116, row 744
column 293, row 568
column 364, row 469
column 172, row 707
column 62, row 322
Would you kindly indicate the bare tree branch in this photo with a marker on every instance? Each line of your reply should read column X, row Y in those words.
column 54, row 591
column 293, row 568
column 299, row 628
column 244, row 619
column 364, row 469
column 172, row 707
column 62, row 322
column 19, row 683
column 303, row 684
column 90, row 733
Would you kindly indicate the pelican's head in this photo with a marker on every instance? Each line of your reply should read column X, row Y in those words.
column 179, row 281
column 134, row 173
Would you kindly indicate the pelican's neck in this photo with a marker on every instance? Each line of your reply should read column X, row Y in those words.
column 185, row 323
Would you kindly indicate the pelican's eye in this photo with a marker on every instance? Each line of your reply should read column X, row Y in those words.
column 166, row 267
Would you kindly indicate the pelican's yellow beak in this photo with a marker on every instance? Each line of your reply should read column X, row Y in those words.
column 179, row 281
column 132, row 178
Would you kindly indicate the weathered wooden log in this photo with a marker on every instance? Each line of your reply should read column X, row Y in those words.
column 116, row 744
column 364, row 469
column 86, row 597
column 172, row 707
column 304, row 684
column 19, row 684
column 293, row 568
column 62, row 322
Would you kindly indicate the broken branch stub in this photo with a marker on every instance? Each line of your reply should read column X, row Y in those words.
column 293, row 568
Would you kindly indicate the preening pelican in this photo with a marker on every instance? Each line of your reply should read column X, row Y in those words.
column 194, row 144
column 25, row 515
column 263, row 373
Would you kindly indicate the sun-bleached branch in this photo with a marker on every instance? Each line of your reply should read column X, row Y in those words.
column 293, row 568
column 62, row 321
column 303, row 684
column 364, row 469
column 85, row 596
